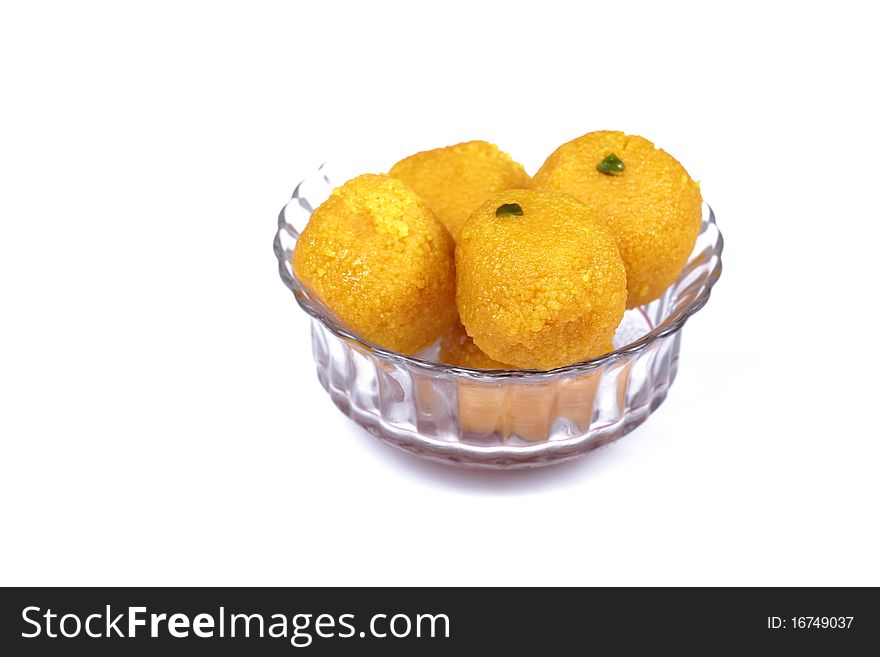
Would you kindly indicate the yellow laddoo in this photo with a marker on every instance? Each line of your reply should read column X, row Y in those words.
column 382, row 262
column 456, row 179
column 643, row 194
column 540, row 281
column 457, row 348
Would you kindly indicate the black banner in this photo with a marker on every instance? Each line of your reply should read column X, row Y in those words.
column 120, row 621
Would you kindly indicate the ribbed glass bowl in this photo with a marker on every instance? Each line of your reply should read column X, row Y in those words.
column 499, row 419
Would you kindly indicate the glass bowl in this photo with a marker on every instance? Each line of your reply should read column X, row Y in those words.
column 499, row 419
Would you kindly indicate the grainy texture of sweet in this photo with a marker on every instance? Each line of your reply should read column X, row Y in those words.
column 382, row 262
column 653, row 207
column 543, row 289
column 456, row 179
column 457, row 348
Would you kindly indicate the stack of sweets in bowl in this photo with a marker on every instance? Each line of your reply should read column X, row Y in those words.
column 469, row 313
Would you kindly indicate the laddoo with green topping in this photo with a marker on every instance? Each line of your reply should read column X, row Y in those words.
column 644, row 196
column 540, row 281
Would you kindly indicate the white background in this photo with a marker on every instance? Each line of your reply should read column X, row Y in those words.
column 160, row 418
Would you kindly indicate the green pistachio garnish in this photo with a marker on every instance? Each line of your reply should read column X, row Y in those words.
column 611, row 166
column 509, row 210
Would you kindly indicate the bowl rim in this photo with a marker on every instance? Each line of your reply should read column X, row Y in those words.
column 318, row 311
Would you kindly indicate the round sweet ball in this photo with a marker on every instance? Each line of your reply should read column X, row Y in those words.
column 644, row 196
column 456, row 179
column 540, row 281
column 379, row 259
column 457, row 348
